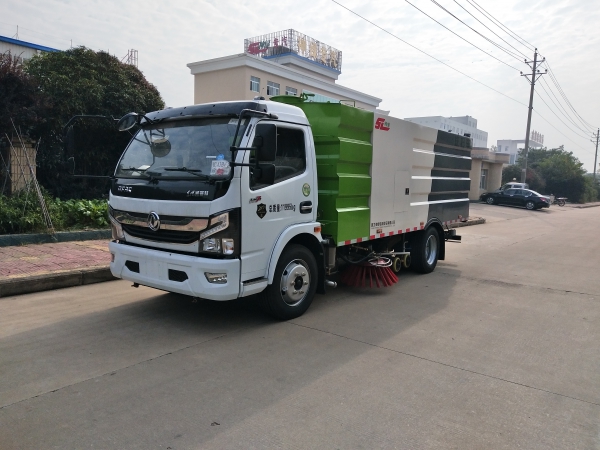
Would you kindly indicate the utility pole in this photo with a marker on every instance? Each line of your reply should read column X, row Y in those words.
column 535, row 75
column 596, row 157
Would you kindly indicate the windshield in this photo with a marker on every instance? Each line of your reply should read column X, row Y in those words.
column 181, row 149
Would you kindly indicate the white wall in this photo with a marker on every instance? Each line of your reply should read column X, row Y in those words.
column 479, row 137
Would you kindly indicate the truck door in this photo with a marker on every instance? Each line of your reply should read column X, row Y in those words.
column 268, row 210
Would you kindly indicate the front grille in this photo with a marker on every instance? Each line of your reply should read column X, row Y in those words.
column 174, row 237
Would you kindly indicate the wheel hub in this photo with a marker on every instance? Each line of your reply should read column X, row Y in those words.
column 295, row 282
column 431, row 248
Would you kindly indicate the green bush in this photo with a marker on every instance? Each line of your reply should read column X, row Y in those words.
column 84, row 213
column 21, row 213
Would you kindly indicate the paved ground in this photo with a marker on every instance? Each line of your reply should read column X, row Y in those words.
column 498, row 348
column 32, row 260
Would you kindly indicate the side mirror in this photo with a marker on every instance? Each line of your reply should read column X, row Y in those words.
column 160, row 147
column 265, row 141
column 128, row 121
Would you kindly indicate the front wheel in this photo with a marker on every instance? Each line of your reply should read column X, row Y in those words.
column 489, row 200
column 294, row 284
column 530, row 205
column 561, row 202
column 425, row 251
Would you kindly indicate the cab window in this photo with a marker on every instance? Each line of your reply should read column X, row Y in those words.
column 290, row 160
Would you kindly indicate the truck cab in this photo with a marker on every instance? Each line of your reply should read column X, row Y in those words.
column 194, row 212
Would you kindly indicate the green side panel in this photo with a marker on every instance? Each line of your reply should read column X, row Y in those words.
column 344, row 152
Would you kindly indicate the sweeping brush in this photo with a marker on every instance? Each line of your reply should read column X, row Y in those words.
column 373, row 273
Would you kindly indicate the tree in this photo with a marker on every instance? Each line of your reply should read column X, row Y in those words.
column 20, row 101
column 511, row 172
column 558, row 172
column 82, row 81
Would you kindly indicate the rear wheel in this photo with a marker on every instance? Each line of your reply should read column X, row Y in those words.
column 425, row 251
column 294, row 284
column 561, row 202
column 489, row 200
column 530, row 205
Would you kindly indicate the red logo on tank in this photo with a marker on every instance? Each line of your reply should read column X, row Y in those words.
column 381, row 124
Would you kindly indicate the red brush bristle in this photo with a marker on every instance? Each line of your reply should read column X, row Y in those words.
column 368, row 275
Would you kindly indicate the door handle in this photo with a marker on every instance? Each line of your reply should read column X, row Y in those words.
column 305, row 207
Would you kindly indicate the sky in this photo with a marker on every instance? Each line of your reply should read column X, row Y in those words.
column 169, row 35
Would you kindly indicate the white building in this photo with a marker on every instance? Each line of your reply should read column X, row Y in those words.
column 459, row 125
column 285, row 62
column 513, row 146
column 21, row 49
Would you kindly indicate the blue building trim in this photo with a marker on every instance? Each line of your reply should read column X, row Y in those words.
column 28, row 44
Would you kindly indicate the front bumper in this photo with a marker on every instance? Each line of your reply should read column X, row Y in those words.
column 164, row 270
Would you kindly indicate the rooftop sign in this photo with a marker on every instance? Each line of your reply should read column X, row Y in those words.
column 291, row 41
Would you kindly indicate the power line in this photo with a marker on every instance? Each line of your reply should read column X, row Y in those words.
column 425, row 53
column 586, row 124
column 484, row 37
column 456, row 34
column 564, row 96
column 563, row 122
column 503, row 40
column 557, row 129
column 454, row 69
column 564, row 111
column 500, row 25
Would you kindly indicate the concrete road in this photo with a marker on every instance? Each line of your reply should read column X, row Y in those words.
column 497, row 349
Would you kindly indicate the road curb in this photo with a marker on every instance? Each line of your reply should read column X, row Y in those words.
column 585, row 205
column 10, row 240
column 51, row 281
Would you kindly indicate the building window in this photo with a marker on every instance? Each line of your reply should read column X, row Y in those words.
column 319, row 98
column 291, row 91
column 255, row 84
column 483, row 180
column 272, row 88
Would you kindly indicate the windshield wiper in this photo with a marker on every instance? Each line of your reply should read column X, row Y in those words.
column 195, row 172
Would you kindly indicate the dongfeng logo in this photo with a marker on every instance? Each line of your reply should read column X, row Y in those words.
column 381, row 124
column 153, row 221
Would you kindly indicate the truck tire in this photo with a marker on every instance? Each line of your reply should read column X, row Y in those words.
column 425, row 251
column 294, row 284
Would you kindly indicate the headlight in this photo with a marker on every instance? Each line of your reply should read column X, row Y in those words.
column 217, row 224
column 223, row 235
column 211, row 245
